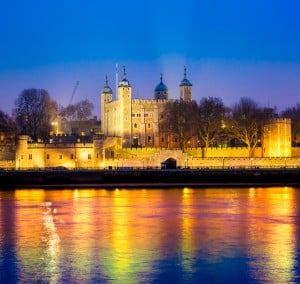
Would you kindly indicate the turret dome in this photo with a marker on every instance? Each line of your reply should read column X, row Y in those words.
column 161, row 87
column 124, row 82
column 106, row 89
column 185, row 81
column 161, row 91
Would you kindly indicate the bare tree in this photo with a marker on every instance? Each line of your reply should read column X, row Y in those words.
column 180, row 119
column 34, row 112
column 294, row 114
column 8, row 127
column 246, row 123
column 211, row 119
column 79, row 111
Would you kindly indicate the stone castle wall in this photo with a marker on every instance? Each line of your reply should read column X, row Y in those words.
column 92, row 155
column 207, row 163
column 85, row 156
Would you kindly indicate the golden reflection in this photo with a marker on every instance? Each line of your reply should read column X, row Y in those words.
column 121, row 241
column 36, row 235
column 30, row 194
column 188, row 222
column 83, row 222
column 133, row 240
column 125, row 232
column 51, row 240
column 251, row 192
column 185, row 190
column 273, row 233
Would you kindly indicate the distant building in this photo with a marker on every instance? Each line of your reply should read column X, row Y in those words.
column 75, row 127
column 82, row 128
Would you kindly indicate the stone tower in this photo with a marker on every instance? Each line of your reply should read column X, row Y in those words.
column 106, row 97
column 22, row 152
column 277, row 138
column 185, row 88
column 124, row 124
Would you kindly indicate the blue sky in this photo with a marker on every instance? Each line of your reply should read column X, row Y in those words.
column 231, row 48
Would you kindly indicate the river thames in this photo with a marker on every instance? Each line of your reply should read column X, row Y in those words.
column 179, row 235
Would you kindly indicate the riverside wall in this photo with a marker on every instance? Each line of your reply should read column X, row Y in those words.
column 208, row 163
column 86, row 155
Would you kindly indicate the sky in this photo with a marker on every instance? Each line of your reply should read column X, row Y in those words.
column 231, row 48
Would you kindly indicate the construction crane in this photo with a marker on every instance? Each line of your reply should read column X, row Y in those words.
column 73, row 93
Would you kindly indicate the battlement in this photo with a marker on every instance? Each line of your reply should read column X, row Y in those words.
column 149, row 102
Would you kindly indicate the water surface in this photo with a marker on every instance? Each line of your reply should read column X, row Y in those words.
column 184, row 235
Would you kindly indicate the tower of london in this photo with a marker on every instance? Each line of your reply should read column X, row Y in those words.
column 136, row 121
column 130, row 136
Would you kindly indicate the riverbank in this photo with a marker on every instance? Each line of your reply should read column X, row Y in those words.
column 155, row 178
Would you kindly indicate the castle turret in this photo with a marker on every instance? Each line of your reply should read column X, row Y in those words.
column 185, row 88
column 124, row 115
column 277, row 138
column 106, row 97
column 161, row 90
column 22, row 152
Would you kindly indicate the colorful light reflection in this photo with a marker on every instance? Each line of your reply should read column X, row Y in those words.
column 129, row 235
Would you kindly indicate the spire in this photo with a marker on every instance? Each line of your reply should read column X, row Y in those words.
column 185, row 81
column 106, row 89
column 124, row 72
column 124, row 82
column 185, row 87
column 106, row 80
column 161, row 77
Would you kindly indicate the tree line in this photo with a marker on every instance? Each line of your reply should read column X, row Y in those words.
column 35, row 110
column 210, row 120
column 215, row 124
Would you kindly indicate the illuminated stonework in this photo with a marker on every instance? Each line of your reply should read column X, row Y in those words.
column 70, row 155
column 128, row 122
column 136, row 121
column 277, row 138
